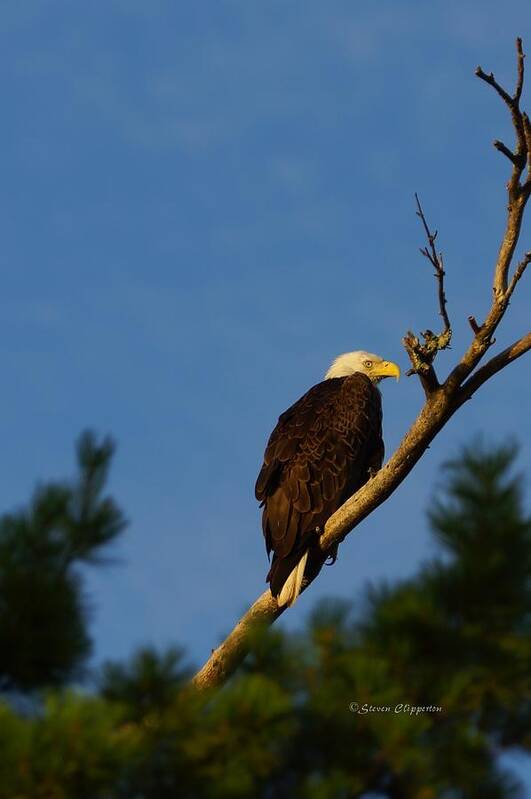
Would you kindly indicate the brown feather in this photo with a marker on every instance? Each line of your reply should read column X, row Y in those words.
column 318, row 455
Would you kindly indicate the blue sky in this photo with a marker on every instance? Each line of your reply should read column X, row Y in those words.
column 202, row 204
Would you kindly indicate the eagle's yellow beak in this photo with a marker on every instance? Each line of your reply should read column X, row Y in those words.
column 386, row 369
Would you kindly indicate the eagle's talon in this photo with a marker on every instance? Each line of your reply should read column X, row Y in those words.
column 332, row 555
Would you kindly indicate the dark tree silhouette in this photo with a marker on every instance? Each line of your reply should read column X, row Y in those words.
column 43, row 616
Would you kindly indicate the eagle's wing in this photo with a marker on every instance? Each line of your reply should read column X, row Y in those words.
column 319, row 453
column 292, row 428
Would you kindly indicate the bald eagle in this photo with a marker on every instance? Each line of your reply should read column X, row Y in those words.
column 322, row 450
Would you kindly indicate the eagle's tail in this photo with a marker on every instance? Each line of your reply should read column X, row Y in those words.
column 292, row 586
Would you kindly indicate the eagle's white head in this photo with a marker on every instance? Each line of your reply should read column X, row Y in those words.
column 374, row 366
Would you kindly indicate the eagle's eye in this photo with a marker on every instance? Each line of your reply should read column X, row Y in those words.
column 368, row 364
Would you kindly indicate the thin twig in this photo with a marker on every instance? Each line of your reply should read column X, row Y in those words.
column 420, row 354
column 518, row 272
column 516, row 160
column 527, row 134
column 491, row 80
column 521, row 156
column 520, row 68
column 436, row 260
column 474, row 325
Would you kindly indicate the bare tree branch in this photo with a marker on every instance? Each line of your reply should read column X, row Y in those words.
column 491, row 80
column 436, row 260
column 502, row 148
column 420, row 354
column 474, row 325
column 227, row 657
column 520, row 157
column 518, row 272
column 420, row 360
column 493, row 366
column 520, row 70
column 442, row 400
column 527, row 133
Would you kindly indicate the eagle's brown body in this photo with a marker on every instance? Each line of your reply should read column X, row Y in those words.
column 322, row 450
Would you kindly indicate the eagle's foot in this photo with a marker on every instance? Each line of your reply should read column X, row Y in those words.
column 331, row 555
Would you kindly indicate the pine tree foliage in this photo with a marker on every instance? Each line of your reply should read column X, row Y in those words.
column 412, row 697
column 146, row 684
column 43, row 615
